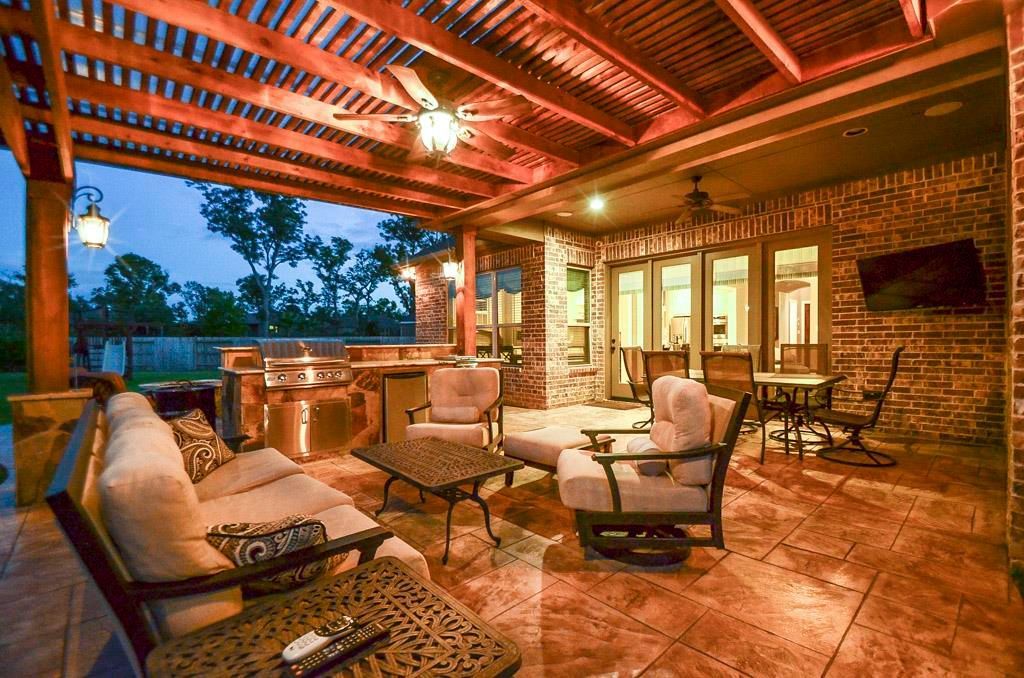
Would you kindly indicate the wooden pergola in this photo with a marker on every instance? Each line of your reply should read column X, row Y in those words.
column 243, row 93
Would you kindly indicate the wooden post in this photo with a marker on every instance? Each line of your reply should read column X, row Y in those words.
column 465, row 293
column 48, row 354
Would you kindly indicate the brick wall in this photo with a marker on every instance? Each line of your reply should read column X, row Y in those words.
column 1015, row 426
column 952, row 374
column 431, row 305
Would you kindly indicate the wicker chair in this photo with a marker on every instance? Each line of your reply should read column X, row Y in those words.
column 633, row 361
column 853, row 424
column 632, row 513
column 735, row 370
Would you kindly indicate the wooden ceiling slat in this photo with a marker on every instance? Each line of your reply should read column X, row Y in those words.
column 44, row 22
column 763, row 35
column 11, row 123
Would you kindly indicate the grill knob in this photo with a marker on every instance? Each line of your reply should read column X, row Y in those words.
column 302, row 376
column 320, row 375
column 282, row 377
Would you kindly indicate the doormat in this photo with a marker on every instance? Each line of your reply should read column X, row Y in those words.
column 614, row 404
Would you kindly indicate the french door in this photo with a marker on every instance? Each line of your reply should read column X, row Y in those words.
column 732, row 292
column 630, row 320
column 677, row 305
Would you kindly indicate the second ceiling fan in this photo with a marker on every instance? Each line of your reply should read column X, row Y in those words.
column 443, row 124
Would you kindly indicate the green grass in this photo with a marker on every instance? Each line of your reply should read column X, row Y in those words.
column 15, row 382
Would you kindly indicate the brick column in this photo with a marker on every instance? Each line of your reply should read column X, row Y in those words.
column 431, row 304
column 1015, row 465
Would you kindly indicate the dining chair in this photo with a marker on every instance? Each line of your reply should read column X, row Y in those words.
column 853, row 424
column 661, row 363
column 735, row 370
column 804, row 359
column 633, row 363
column 753, row 349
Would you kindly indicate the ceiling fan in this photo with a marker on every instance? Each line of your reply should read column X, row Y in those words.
column 700, row 202
column 442, row 123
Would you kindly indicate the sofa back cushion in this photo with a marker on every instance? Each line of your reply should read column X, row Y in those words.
column 457, row 393
column 682, row 421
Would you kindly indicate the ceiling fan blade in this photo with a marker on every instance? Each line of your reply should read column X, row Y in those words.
column 482, row 142
column 410, row 80
column 725, row 209
column 494, row 109
column 684, row 215
column 377, row 117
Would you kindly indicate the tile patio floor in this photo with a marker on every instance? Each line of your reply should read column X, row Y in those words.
column 829, row 570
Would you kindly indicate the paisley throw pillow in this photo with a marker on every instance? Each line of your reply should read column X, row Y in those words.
column 202, row 449
column 248, row 543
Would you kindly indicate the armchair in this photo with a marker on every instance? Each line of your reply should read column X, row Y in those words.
column 633, row 364
column 634, row 506
column 464, row 406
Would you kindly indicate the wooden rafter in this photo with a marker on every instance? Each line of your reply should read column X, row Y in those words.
column 11, row 123
column 572, row 20
column 172, row 110
column 419, row 32
column 44, row 23
column 198, row 17
column 205, row 172
column 913, row 12
column 753, row 24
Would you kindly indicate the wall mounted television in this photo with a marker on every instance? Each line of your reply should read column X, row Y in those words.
column 947, row 275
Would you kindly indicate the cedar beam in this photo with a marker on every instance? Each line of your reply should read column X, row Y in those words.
column 44, row 24
column 419, row 32
column 753, row 24
column 913, row 12
column 160, row 164
column 573, row 21
column 12, row 125
column 465, row 292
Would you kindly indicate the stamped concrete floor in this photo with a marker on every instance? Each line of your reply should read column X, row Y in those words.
column 829, row 570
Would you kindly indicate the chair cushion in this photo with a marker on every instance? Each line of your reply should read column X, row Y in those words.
column 130, row 411
column 202, row 450
column 461, row 387
column 474, row 435
column 251, row 543
column 179, row 616
column 648, row 467
column 273, row 501
column 583, row 485
column 682, row 421
column 721, row 414
column 543, row 445
column 455, row 414
column 344, row 520
column 246, row 471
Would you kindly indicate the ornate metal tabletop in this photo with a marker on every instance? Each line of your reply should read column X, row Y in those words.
column 431, row 633
column 436, row 465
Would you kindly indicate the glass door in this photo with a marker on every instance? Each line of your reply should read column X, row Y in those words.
column 630, row 320
column 798, row 279
column 732, row 311
column 677, row 305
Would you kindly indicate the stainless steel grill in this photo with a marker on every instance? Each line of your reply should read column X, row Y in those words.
column 304, row 363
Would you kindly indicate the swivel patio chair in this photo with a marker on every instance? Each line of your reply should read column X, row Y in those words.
column 853, row 425
column 635, row 506
column 735, row 370
column 464, row 406
column 633, row 362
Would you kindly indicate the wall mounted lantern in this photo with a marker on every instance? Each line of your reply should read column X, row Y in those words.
column 408, row 273
column 92, row 227
column 450, row 269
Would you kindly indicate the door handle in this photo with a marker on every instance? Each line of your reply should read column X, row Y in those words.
column 304, row 419
column 611, row 348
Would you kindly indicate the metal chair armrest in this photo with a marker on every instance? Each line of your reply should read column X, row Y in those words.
column 366, row 542
column 413, row 410
column 607, row 458
column 593, row 433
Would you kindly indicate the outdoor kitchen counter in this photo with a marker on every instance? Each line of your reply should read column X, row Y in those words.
column 376, row 364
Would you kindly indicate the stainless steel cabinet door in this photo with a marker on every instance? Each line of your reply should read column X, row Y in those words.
column 287, row 427
column 332, row 425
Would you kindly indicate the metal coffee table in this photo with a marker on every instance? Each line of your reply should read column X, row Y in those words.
column 440, row 468
column 432, row 634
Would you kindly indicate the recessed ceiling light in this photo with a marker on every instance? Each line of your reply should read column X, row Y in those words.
column 595, row 203
column 945, row 108
column 563, row 214
column 855, row 132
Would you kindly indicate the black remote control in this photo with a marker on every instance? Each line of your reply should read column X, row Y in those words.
column 347, row 647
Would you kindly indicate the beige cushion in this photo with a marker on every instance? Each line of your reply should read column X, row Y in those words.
column 461, row 387
column 543, row 445
column 130, row 411
column 151, row 510
column 123, row 403
column 648, row 467
column 721, row 414
column 582, row 484
column 344, row 520
column 246, row 471
column 179, row 616
column 474, row 435
column 682, row 421
column 283, row 497
column 455, row 414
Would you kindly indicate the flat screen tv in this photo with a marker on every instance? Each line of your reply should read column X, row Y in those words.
column 926, row 277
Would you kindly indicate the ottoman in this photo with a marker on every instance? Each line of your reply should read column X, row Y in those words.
column 540, row 447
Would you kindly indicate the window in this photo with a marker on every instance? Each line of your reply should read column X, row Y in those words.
column 578, row 312
column 499, row 315
column 451, row 312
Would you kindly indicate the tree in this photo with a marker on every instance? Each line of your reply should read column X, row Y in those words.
column 299, row 307
column 328, row 259
column 138, row 289
column 404, row 239
column 264, row 228
column 215, row 312
column 362, row 278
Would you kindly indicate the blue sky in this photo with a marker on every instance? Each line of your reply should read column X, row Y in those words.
column 158, row 217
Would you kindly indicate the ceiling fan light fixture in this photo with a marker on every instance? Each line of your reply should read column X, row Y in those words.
column 596, row 203
column 563, row 214
column 855, row 132
column 439, row 131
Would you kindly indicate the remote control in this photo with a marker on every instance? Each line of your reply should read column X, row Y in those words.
column 318, row 638
column 346, row 648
